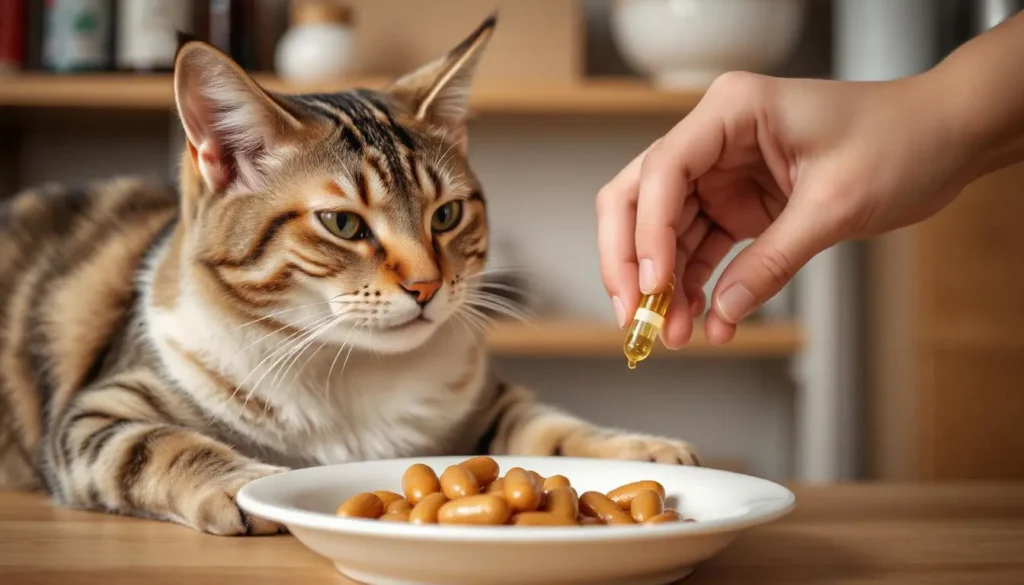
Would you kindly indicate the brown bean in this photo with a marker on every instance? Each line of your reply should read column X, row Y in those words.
column 425, row 512
column 555, row 481
column 623, row 495
column 400, row 516
column 540, row 478
column 481, row 509
column 483, row 468
column 589, row 521
column 666, row 516
column 562, row 502
column 364, row 505
column 522, row 490
column 418, row 482
column 387, row 497
column 458, row 482
column 542, row 519
column 497, row 487
column 646, row 505
column 401, row 505
column 598, row 505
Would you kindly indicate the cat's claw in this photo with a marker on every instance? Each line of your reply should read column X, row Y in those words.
column 217, row 512
column 638, row 447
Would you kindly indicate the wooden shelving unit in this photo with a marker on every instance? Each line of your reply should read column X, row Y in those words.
column 575, row 339
column 154, row 92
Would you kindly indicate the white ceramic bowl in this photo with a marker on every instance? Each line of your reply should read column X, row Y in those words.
column 686, row 44
column 383, row 553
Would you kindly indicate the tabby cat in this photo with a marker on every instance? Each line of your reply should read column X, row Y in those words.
column 296, row 301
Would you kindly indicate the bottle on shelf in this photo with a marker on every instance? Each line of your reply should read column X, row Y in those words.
column 77, row 35
column 147, row 33
column 12, row 35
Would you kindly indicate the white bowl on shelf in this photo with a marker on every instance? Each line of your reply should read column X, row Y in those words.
column 686, row 44
column 383, row 553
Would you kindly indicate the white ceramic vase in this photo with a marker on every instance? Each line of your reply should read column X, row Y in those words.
column 686, row 44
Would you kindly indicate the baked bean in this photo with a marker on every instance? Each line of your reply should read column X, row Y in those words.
column 387, row 497
column 483, row 468
column 480, row 509
column 555, row 481
column 400, row 516
column 425, row 512
column 522, row 490
column 401, row 505
column 458, row 482
column 646, row 505
column 540, row 478
column 589, row 521
column 666, row 516
column 562, row 502
column 365, row 505
column 542, row 519
column 623, row 495
column 598, row 505
column 418, row 482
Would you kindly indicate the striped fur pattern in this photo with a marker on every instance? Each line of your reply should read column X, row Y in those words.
column 161, row 347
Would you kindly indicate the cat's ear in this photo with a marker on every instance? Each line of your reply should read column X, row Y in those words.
column 438, row 93
column 235, row 129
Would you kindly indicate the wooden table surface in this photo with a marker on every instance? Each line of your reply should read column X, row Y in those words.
column 877, row 534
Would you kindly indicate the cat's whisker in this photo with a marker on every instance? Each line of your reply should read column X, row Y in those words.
column 327, row 383
column 279, row 379
column 282, row 346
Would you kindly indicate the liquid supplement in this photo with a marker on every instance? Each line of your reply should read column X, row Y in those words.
column 647, row 322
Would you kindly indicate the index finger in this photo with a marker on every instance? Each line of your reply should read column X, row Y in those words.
column 667, row 177
column 616, row 218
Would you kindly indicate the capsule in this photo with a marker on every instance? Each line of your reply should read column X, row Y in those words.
column 483, row 468
column 647, row 322
column 425, row 512
column 480, row 509
column 364, row 505
column 458, row 482
column 387, row 497
column 418, row 482
column 623, row 495
column 598, row 505
column 646, row 504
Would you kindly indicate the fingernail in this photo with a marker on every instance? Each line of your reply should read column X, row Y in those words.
column 647, row 278
column 620, row 311
column 735, row 303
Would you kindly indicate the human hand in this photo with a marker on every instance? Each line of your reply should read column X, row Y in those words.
column 798, row 165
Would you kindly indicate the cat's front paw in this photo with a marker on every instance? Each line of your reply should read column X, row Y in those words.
column 215, row 510
column 638, row 447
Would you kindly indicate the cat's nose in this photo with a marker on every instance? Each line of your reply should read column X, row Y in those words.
column 422, row 290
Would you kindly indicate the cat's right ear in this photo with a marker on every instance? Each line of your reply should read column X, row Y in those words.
column 236, row 131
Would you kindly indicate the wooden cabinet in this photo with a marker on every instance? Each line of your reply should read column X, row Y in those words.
column 946, row 340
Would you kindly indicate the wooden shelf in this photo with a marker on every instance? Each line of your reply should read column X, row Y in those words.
column 154, row 92
column 573, row 339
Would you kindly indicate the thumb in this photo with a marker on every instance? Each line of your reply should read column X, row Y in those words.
column 761, row 269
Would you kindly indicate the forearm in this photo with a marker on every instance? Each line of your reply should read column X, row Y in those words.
column 980, row 88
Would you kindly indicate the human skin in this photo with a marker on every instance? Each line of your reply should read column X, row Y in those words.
column 799, row 165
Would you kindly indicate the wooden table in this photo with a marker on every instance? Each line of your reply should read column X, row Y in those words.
column 877, row 534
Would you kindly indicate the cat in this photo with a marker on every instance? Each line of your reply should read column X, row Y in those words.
column 295, row 301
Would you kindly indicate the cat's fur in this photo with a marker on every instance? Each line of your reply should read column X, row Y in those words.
column 159, row 349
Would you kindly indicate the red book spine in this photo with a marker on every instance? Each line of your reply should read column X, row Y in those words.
column 12, row 34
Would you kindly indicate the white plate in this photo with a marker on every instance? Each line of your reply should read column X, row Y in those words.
column 385, row 553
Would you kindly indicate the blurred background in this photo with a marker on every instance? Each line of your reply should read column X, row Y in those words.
column 901, row 358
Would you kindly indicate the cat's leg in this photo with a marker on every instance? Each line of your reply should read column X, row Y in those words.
column 520, row 425
column 129, row 445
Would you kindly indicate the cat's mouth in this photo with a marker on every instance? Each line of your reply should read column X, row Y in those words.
column 417, row 321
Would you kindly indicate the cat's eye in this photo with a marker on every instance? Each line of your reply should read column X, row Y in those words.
column 348, row 226
column 446, row 217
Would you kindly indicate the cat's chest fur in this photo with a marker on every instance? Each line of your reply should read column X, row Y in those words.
column 328, row 406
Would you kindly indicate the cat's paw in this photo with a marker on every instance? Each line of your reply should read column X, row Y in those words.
column 216, row 512
column 638, row 447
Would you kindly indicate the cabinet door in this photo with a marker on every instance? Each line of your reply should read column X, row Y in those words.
column 971, row 333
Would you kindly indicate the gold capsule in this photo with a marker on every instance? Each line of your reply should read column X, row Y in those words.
column 623, row 495
column 561, row 501
column 387, row 497
column 425, row 512
column 647, row 322
column 481, row 509
column 598, row 505
column 458, row 482
column 365, row 505
column 522, row 490
column 483, row 468
column 401, row 505
column 646, row 504
column 555, row 481
column 418, row 482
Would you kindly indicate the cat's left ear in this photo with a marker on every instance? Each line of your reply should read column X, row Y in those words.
column 438, row 93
